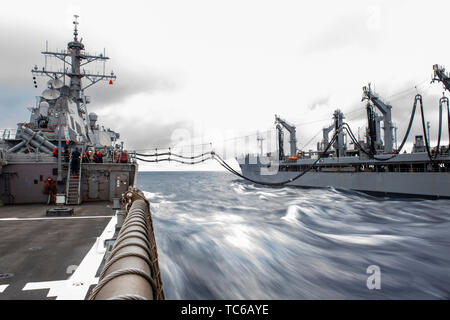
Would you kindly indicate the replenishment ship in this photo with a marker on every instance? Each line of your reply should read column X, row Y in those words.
column 371, row 165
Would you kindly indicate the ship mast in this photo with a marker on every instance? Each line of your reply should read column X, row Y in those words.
column 75, row 58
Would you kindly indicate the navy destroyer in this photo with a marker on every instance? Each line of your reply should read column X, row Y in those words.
column 63, row 181
column 40, row 148
column 371, row 165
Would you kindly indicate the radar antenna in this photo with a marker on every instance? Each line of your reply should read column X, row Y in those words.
column 76, row 23
column 75, row 57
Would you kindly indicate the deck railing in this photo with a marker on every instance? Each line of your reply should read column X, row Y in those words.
column 79, row 183
column 68, row 178
column 6, row 134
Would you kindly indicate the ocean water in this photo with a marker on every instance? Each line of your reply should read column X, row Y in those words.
column 220, row 237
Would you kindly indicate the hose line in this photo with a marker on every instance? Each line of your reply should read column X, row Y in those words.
column 344, row 126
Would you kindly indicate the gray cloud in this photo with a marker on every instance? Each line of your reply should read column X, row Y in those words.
column 320, row 101
column 129, row 83
column 139, row 135
column 17, row 91
column 13, row 105
column 345, row 31
column 23, row 53
column 139, row 131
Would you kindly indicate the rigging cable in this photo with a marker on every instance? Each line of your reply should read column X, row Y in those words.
column 448, row 125
column 436, row 153
column 228, row 167
column 347, row 128
column 310, row 140
column 344, row 126
column 175, row 160
column 172, row 154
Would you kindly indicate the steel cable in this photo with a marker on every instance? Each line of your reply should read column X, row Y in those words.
column 228, row 167
column 174, row 160
column 172, row 154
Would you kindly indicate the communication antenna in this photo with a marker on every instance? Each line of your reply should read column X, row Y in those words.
column 76, row 59
column 76, row 23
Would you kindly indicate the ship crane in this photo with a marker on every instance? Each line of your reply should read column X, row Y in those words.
column 386, row 111
column 325, row 132
column 292, row 133
column 441, row 76
column 339, row 144
column 280, row 142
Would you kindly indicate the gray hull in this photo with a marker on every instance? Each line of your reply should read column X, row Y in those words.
column 428, row 184
column 23, row 181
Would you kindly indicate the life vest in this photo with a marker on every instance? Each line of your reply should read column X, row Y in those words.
column 121, row 157
column 50, row 186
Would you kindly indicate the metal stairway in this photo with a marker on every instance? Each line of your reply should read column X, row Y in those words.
column 73, row 187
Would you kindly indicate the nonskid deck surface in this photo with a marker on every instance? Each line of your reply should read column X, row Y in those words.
column 52, row 257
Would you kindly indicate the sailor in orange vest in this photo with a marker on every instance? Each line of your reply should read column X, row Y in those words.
column 50, row 189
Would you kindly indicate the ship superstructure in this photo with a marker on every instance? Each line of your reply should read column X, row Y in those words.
column 373, row 165
column 59, row 124
column 59, row 173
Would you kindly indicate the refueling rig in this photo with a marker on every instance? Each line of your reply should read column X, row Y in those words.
column 373, row 165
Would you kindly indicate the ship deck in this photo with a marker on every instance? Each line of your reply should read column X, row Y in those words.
column 52, row 257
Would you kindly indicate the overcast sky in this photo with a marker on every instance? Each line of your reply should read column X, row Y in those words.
column 221, row 69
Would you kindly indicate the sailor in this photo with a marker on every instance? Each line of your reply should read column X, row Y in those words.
column 75, row 163
column 100, row 157
column 55, row 152
column 66, row 152
column 95, row 157
column 85, row 157
column 50, row 189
